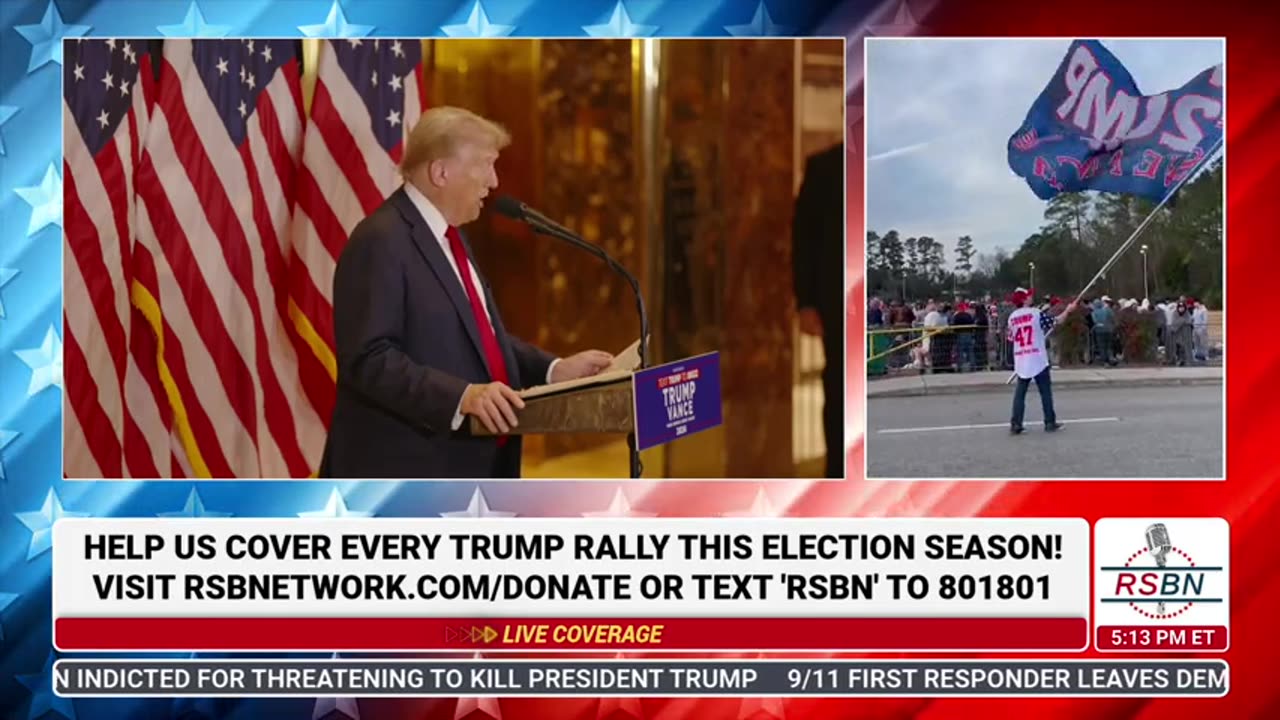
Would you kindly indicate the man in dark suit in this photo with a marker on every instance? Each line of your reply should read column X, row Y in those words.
column 817, row 257
column 420, row 342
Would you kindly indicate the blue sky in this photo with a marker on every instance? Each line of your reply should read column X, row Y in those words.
column 939, row 114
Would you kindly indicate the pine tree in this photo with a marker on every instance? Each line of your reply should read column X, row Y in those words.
column 964, row 254
column 875, row 257
column 892, row 252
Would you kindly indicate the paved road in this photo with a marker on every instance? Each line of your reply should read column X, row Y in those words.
column 1140, row 432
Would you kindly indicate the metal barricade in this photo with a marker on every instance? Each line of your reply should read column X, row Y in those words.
column 947, row 348
column 961, row 348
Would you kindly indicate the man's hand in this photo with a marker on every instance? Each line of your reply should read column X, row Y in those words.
column 584, row 364
column 810, row 322
column 494, row 403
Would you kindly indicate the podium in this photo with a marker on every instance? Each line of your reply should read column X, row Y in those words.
column 605, row 406
column 652, row 406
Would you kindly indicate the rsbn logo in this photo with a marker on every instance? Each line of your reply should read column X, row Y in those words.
column 1159, row 581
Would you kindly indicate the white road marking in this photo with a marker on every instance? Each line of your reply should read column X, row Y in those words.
column 900, row 431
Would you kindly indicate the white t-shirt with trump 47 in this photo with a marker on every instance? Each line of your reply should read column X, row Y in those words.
column 1027, row 330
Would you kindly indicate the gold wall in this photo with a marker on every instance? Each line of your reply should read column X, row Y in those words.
column 679, row 157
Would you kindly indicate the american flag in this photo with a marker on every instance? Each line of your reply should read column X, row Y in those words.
column 215, row 186
column 114, row 422
column 368, row 94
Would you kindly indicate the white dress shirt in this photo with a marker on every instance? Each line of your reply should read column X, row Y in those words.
column 439, row 226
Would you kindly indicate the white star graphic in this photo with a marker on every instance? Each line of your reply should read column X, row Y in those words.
column 6, row 274
column 112, row 44
column 904, row 23
column 620, row 25
column 761, row 24
column 336, row 26
column 194, row 508
column 242, row 73
column 102, row 119
column 355, row 43
column 244, row 111
column 266, row 53
column 375, row 78
column 249, row 45
column 129, row 53
column 250, row 81
column 46, row 37
column 193, row 25
column 79, row 71
column 45, row 363
column 336, row 507
column 222, row 66
column 6, row 439
column 394, row 118
column 40, row 522
column 395, row 82
column 477, row 25
column 478, row 507
column 760, row 507
column 325, row 707
column 108, row 81
column 124, row 89
column 486, row 706
column 397, row 49
column 619, row 507
column 45, row 200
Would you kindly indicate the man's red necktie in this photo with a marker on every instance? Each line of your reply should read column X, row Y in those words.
column 488, row 339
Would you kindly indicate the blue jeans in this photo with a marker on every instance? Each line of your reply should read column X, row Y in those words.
column 1044, row 387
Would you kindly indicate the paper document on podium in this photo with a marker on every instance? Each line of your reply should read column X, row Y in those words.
column 624, row 363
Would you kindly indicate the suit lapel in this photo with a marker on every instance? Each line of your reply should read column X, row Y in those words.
column 429, row 246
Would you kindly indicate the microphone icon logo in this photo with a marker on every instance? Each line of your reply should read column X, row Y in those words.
column 1158, row 545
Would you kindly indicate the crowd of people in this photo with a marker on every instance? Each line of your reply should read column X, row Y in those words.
column 939, row 336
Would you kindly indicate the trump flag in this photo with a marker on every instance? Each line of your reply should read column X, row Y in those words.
column 1092, row 129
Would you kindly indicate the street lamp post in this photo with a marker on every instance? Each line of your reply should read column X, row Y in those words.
column 1032, row 285
column 1145, row 294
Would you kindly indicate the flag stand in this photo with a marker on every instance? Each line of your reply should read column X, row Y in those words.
column 1142, row 226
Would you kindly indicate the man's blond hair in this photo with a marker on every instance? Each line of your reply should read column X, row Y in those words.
column 441, row 130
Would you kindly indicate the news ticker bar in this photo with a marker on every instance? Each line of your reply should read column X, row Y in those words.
column 640, row 678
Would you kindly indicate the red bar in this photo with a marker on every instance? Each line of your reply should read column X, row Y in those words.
column 1203, row 638
column 384, row 633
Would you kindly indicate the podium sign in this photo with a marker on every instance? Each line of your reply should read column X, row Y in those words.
column 676, row 399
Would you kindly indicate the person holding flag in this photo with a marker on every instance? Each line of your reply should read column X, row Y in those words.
column 1028, row 327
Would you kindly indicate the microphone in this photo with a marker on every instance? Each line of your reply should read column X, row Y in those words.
column 1159, row 544
column 516, row 210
